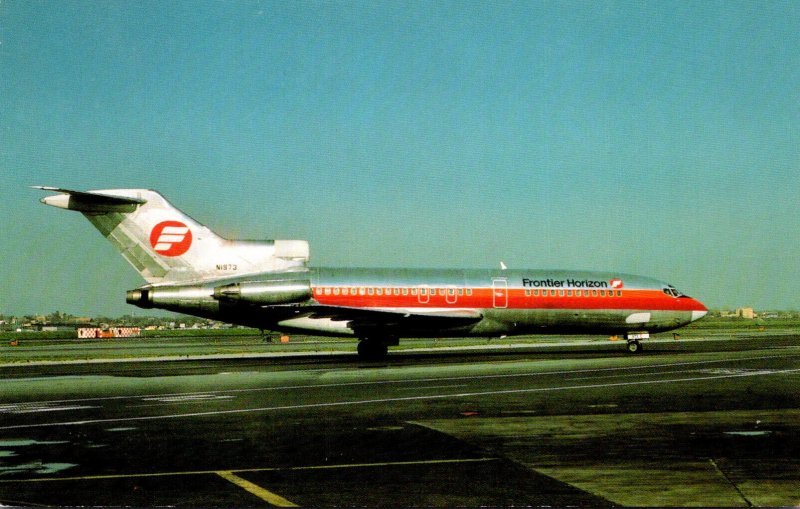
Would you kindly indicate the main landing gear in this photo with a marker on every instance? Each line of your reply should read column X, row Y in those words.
column 375, row 349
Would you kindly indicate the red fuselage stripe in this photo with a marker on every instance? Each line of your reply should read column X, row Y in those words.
column 512, row 298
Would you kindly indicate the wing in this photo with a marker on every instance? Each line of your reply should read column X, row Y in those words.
column 397, row 322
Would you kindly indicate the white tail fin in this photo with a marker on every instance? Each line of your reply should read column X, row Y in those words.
column 165, row 245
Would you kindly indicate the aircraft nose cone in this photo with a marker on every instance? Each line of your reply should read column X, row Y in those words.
column 696, row 315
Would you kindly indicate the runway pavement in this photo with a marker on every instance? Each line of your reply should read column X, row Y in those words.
column 700, row 424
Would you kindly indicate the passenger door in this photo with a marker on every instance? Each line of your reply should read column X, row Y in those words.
column 500, row 292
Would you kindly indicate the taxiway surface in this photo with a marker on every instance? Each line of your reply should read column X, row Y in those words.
column 695, row 424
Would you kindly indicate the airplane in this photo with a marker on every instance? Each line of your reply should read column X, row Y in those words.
column 269, row 284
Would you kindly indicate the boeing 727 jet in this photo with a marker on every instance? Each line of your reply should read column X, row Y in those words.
column 269, row 284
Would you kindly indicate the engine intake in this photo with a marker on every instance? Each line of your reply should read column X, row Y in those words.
column 285, row 291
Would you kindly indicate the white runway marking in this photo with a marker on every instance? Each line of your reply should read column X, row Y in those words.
column 405, row 399
column 187, row 398
column 415, row 388
column 37, row 407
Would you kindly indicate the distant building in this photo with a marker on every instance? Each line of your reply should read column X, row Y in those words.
column 746, row 313
column 111, row 332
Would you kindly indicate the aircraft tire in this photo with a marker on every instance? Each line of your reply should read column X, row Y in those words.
column 372, row 350
column 634, row 347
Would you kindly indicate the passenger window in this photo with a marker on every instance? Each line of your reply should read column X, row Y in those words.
column 602, row 293
column 569, row 293
column 552, row 293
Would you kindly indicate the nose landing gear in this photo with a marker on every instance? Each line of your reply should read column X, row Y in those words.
column 633, row 341
column 634, row 346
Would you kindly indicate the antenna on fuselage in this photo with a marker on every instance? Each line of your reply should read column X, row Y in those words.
column 503, row 265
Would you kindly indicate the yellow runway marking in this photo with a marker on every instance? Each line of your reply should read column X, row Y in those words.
column 256, row 490
column 241, row 470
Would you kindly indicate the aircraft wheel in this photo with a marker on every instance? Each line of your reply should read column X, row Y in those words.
column 372, row 350
column 634, row 347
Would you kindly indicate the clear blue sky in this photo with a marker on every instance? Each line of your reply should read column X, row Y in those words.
column 658, row 138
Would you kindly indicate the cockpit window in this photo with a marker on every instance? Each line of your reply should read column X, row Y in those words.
column 673, row 292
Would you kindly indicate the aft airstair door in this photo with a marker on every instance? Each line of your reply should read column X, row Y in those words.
column 500, row 292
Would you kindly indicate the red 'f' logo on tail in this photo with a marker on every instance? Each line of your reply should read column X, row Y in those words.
column 171, row 238
column 615, row 283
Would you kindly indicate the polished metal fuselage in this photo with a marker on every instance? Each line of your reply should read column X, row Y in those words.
column 503, row 302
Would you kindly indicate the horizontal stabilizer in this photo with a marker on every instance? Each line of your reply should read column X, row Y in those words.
column 89, row 201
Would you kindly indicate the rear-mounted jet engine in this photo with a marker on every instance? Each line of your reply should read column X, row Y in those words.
column 265, row 293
